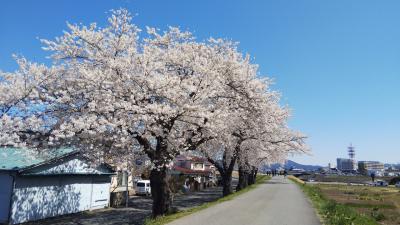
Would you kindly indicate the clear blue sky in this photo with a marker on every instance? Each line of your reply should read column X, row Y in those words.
column 337, row 63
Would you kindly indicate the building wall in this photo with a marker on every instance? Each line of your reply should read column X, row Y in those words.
column 39, row 197
column 185, row 164
column 68, row 165
column 6, row 182
column 366, row 167
column 346, row 164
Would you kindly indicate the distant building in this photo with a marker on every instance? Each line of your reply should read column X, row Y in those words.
column 346, row 165
column 368, row 167
column 350, row 164
column 197, row 171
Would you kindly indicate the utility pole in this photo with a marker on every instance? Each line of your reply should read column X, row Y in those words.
column 126, row 185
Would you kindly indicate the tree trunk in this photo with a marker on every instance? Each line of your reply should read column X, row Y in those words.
column 252, row 176
column 160, row 192
column 227, row 183
column 243, row 178
column 225, row 169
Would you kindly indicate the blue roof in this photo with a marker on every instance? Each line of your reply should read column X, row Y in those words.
column 20, row 158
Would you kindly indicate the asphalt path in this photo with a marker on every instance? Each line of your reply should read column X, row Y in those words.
column 276, row 202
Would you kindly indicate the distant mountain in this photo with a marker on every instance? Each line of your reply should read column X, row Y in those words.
column 293, row 165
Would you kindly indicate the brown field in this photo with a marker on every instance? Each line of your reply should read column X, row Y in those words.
column 379, row 202
column 343, row 179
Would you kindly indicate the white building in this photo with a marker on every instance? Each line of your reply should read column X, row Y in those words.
column 346, row 165
column 368, row 167
column 35, row 187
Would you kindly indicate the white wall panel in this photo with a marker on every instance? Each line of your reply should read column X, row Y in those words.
column 34, row 198
column 47, row 196
column 100, row 194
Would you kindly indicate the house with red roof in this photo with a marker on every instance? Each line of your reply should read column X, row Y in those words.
column 199, row 173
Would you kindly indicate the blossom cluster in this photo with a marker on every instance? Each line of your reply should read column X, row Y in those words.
column 112, row 93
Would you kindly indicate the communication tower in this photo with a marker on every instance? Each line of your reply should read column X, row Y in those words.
column 352, row 152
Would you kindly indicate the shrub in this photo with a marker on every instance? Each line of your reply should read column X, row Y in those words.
column 377, row 215
column 394, row 180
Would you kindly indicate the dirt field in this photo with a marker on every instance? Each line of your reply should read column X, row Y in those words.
column 381, row 203
column 343, row 179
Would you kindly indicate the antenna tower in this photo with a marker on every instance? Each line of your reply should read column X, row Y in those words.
column 352, row 152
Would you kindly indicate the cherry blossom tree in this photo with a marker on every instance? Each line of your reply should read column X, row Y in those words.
column 111, row 93
column 252, row 126
column 267, row 149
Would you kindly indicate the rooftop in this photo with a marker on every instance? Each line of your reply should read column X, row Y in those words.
column 20, row 158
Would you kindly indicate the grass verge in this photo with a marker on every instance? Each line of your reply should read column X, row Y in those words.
column 171, row 217
column 331, row 212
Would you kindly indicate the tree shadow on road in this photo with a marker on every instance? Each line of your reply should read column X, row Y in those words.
column 276, row 182
column 183, row 202
column 139, row 209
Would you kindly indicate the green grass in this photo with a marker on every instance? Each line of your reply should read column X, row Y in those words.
column 364, row 205
column 171, row 217
column 333, row 213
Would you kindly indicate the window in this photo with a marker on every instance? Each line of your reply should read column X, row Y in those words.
column 198, row 166
column 140, row 184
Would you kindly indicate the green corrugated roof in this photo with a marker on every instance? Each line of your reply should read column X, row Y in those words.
column 19, row 158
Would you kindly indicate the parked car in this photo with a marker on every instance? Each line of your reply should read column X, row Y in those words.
column 381, row 183
column 398, row 184
column 143, row 187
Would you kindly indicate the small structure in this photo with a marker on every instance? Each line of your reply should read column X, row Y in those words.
column 128, row 177
column 124, row 183
column 197, row 171
column 37, row 186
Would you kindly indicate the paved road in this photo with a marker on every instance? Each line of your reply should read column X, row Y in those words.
column 278, row 202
